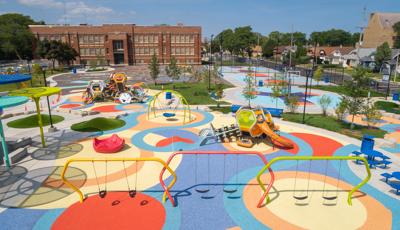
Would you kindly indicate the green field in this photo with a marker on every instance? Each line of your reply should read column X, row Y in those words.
column 332, row 124
column 389, row 107
column 32, row 121
column 222, row 109
column 342, row 90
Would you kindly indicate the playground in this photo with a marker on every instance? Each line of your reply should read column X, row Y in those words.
column 160, row 163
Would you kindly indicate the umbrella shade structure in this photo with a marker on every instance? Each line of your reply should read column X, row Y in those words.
column 36, row 94
column 6, row 102
column 14, row 78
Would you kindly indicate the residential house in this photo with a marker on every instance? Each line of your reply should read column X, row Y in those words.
column 380, row 29
column 331, row 54
column 352, row 59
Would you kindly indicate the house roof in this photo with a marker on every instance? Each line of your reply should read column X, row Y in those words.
column 362, row 52
column 387, row 20
column 328, row 50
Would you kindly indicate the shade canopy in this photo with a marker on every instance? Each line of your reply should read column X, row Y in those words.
column 14, row 78
column 36, row 92
column 11, row 101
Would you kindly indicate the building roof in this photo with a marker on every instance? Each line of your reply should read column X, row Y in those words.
column 387, row 20
column 328, row 50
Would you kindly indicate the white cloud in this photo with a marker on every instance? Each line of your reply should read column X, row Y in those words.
column 73, row 9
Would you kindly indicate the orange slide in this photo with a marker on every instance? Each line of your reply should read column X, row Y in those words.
column 274, row 137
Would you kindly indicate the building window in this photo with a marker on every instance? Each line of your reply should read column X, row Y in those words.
column 118, row 45
column 164, row 37
column 164, row 50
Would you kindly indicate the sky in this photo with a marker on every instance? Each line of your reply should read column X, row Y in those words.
column 212, row 15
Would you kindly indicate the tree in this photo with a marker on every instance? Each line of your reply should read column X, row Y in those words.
column 249, row 91
column 268, row 48
column 277, row 91
column 355, row 100
column 244, row 40
column 173, row 71
column 57, row 51
column 219, row 93
column 325, row 101
column 292, row 103
column 333, row 37
column 154, row 68
column 15, row 37
column 396, row 28
column 371, row 113
column 341, row 109
column 383, row 53
column 318, row 74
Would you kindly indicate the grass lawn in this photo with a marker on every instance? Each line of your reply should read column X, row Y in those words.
column 222, row 109
column 389, row 107
column 342, row 90
column 32, row 121
column 195, row 93
column 98, row 124
column 96, row 69
column 332, row 124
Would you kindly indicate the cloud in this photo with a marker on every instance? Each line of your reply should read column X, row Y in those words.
column 73, row 9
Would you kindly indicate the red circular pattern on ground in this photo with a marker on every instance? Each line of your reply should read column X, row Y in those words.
column 173, row 139
column 106, row 109
column 293, row 150
column 70, row 106
column 115, row 211
column 322, row 146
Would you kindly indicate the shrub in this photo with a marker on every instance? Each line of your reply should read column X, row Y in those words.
column 292, row 103
column 325, row 101
column 340, row 109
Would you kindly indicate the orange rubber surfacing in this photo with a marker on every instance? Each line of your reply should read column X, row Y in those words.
column 322, row 146
column 115, row 211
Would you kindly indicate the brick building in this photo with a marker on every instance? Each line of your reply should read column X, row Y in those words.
column 127, row 44
column 380, row 29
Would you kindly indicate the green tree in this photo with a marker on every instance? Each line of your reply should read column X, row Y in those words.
column 173, row 71
column 219, row 93
column 354, row 100
column 341, row 109
column 383, row 53
column 371, row 113
column 332, row 37
column 292, row 103
column 57, row 51
column 249, row 91
column 154, row 68
column 325, row 101
column 268, row 48
column 244, row 40
column 15, row 37
column 396, row 28
column 318, row 74
column 277, row 91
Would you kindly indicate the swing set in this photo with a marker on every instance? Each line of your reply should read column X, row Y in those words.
column 207, row 154
column 302, row 196
column 169, row 106
column 131, row 190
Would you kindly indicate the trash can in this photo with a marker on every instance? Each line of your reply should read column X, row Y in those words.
column 168, row 95
column 395, row 96
column 367, row 144
column 326, row 79
column 74, row 70
column 260, row 83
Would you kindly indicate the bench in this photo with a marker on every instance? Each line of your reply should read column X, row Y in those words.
column 385, row 163
column 387, row 176
column 395, row 186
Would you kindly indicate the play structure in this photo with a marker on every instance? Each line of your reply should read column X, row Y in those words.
column 132, row 191
column 170, row 104
column 251, row 124
column 211, row 181
column 304, row 193
column 111, row 144
column 115, row 88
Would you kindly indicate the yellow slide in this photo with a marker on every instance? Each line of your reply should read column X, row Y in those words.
column 274, row 137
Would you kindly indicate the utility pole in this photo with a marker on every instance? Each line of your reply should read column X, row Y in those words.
column 310, row 72
column 388, row 84
column 209, row 64
column 291, row 47
column 397, row 66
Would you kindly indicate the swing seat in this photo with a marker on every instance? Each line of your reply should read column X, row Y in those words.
column 230, row 190
column 300, row 197
column 202, row 190
column 330, row 197
column 169, row 115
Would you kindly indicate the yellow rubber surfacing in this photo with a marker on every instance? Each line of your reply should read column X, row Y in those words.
column 149, row 159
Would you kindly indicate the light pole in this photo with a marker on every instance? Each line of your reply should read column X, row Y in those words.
column 209, row 64
column 388, row 84
column 52, row 128
column 308, row 72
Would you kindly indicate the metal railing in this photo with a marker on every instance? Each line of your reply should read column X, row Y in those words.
column 310, row 158
column 149, row 159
